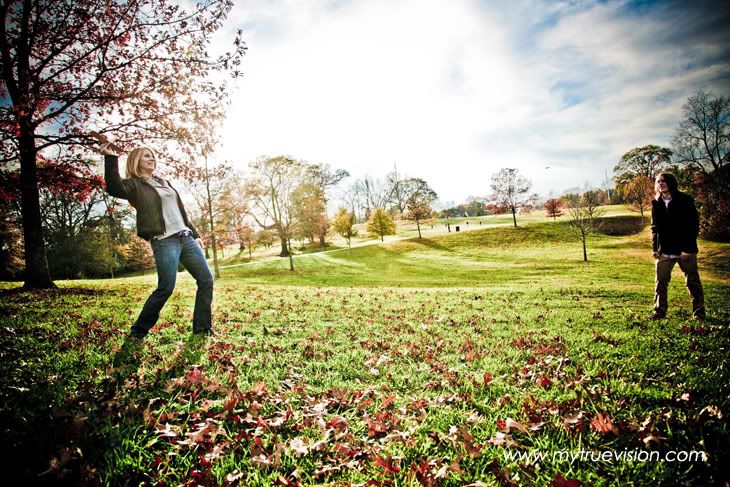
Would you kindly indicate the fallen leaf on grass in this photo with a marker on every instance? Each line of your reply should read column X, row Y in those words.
column 510, row 424
column 603, row 424
column 388, row 464
column 298, row 447
column 503, row 439
column 561, row 481
column 574, row 421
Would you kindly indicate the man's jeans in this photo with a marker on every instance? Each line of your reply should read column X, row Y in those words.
column 168, row 252
column 664, row 266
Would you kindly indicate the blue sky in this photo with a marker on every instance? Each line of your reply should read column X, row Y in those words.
column 452, row 91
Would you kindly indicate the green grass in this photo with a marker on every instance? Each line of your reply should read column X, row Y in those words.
column 370, row 363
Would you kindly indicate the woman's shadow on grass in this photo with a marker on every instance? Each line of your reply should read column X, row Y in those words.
column 128, row 359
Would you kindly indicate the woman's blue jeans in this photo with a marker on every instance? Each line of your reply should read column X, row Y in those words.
column 168, row 252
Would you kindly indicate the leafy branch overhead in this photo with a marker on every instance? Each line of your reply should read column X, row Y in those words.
column 138, row 71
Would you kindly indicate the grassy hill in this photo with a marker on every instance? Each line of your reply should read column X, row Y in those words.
column 542, row 252
column 416, row 362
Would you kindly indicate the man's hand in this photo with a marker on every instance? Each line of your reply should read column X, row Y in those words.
column 199, row 241
column 655, row 254
column 684, row 256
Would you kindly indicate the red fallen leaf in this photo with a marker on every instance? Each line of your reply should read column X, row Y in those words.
column 561, row 481
column 604, row 424
column 471, row 448
column 259, row 389
column 387, row 464
column 345, row 450
column 337, row 423
column 230, row 403
column 510, row 424
column 487, row 378
column 545, row 382
column 388, row 401
column 376, row 428
column 196, row 376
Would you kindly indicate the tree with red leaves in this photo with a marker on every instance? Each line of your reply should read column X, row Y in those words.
column 136, row 69
column 638, row 193
column 553, row 208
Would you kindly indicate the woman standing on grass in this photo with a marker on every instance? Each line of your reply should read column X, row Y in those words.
column 161, row 220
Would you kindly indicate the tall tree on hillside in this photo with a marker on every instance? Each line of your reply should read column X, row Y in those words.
column 702, row 145
column 270, row 188
column 375, row 194
column 638, row 194
column 510, row 192
column 418, row 203
column 352, row 198
column 344, row 224
column 380, row 224
column 702, row 139
column 647, row 161
column 418, row 212
column 134, row 68
column 235, row 211
column 584, row 213
column 553, row 208
column 247, row 239
column 324, row 177
column 398, row 190
column 310, row 212
column 207, row 184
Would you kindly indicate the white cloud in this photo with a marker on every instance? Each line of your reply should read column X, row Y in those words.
column 452, row 91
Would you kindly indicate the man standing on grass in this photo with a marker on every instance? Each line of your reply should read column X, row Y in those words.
column 674, row 229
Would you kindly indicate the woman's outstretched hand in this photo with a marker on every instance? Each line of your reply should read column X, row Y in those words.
column 105, row 150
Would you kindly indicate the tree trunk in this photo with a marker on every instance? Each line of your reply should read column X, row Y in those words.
column 37, row 275
column 585, row 254
column 514, row 217
column 210, row 220
column 418, row 225
column 284, row 247
column 291, row 258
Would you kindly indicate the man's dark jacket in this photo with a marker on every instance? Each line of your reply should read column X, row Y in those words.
column 143, row 197
column 675, row 227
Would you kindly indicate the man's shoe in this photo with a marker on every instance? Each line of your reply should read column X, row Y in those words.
column 657, row 316
column 206, row 333
column 699, row 318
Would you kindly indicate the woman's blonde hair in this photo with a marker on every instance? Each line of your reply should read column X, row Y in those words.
column 133, row 162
